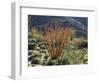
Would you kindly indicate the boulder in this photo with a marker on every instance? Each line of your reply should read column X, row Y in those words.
column 31, row 46
column 32, row 40
column 30, row 52
column 35, row 61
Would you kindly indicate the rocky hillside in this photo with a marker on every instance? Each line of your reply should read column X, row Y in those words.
column 80, row 24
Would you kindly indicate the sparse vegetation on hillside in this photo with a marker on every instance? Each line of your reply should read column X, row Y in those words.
column 56, row 44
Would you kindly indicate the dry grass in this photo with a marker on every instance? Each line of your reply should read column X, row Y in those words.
column 55, row 37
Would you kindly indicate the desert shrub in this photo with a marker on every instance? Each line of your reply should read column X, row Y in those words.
column 29, row 35
column 54, row 37
column 34, row 34
column 76, row 56
column 63, row 60
column 83, row 44
column 86, row 59
column 71, row 34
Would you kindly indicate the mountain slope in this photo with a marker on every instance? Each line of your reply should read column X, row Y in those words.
column 78, row 23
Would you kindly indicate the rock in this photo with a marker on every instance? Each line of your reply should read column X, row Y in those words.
column 36, row 54
column 37, row 45
column 30, row 52
column 32, row 40
column 30, row 58
column 31, row 46
column 40, row 43
column 43, row 55
column 46, row 57
column 83, row 45
column 43, row 51
column 43, row 47
column 38, row 48
column 36, row 61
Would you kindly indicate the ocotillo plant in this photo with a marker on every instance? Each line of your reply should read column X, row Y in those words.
column 54, row 37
